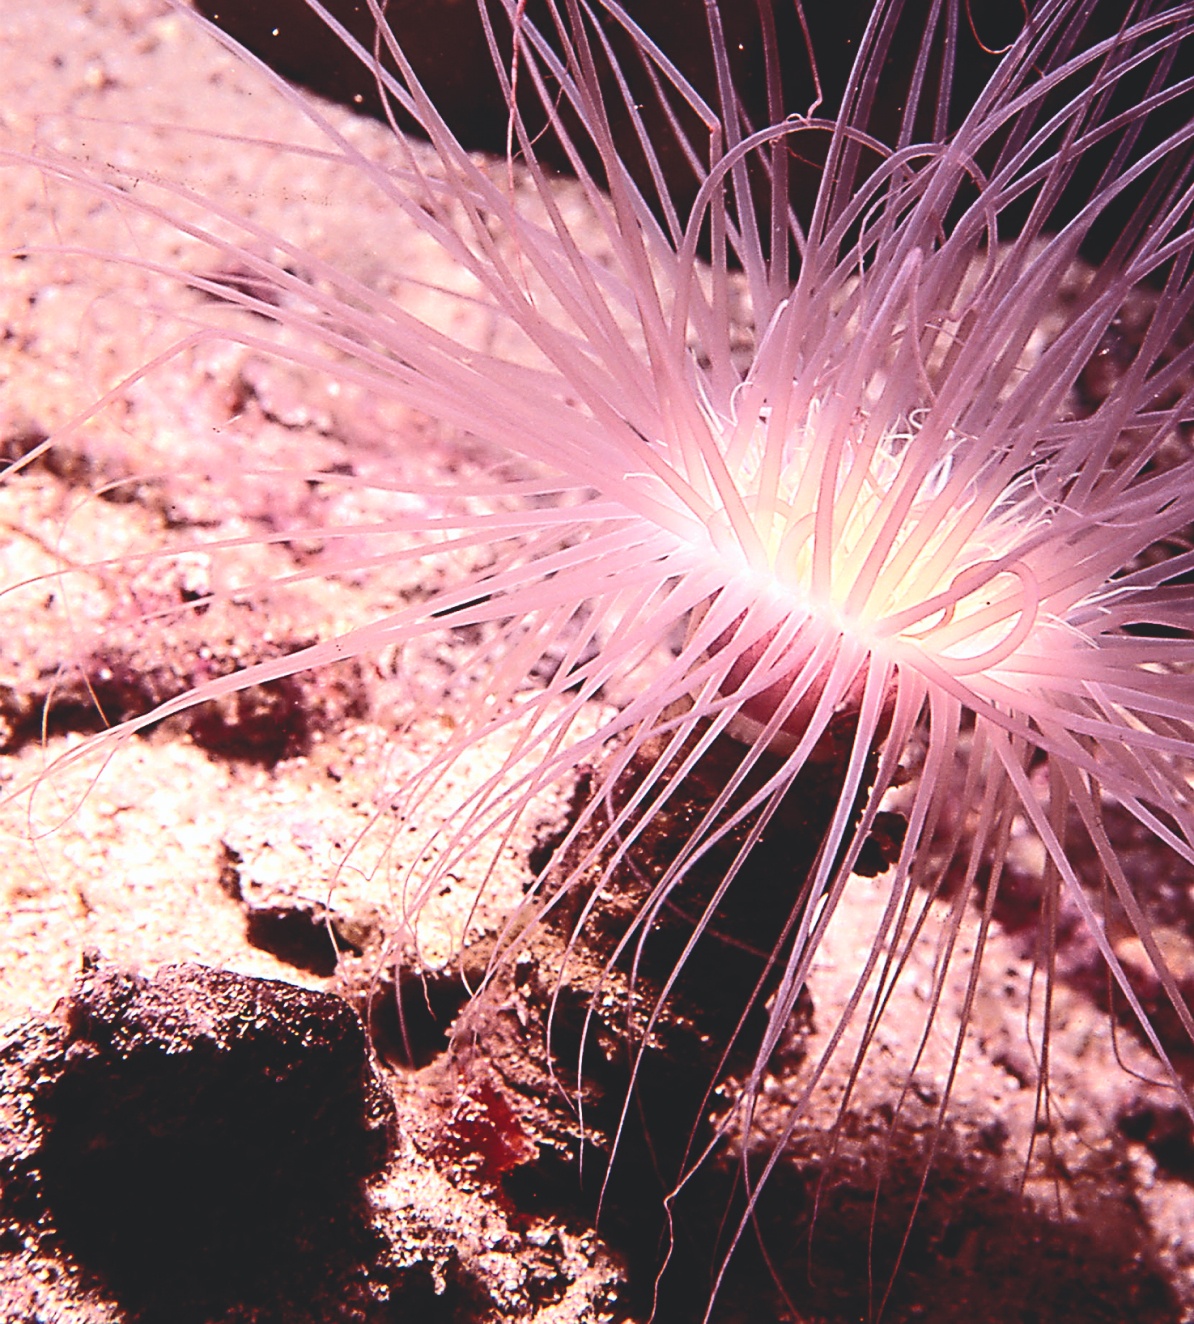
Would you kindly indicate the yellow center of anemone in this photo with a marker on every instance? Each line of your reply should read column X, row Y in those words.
column 878, row 543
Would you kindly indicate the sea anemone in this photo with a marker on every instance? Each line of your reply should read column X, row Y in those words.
column 801, row 500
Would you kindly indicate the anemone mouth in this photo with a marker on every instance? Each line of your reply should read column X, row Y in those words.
column 872, row 557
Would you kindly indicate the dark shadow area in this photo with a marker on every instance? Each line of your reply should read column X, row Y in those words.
column 976, row 1251
column 297, row 931
column 837, row 1240
column 261, row 724
column 409, row 1023
column 1167, row 1135
column 206, row 1144
column 839, row 1234
column 295, row 936
column 457, row 74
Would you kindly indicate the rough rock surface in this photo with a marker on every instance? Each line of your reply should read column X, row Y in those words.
column 194, row 1142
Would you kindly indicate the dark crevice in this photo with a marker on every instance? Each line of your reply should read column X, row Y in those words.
column 410, row 1023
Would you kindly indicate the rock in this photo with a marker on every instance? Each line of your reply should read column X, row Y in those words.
column 188, row 1143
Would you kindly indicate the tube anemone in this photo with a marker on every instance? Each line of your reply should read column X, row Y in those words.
column 881, row 563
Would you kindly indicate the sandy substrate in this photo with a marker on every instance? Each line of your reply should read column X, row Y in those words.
column 264, row 840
